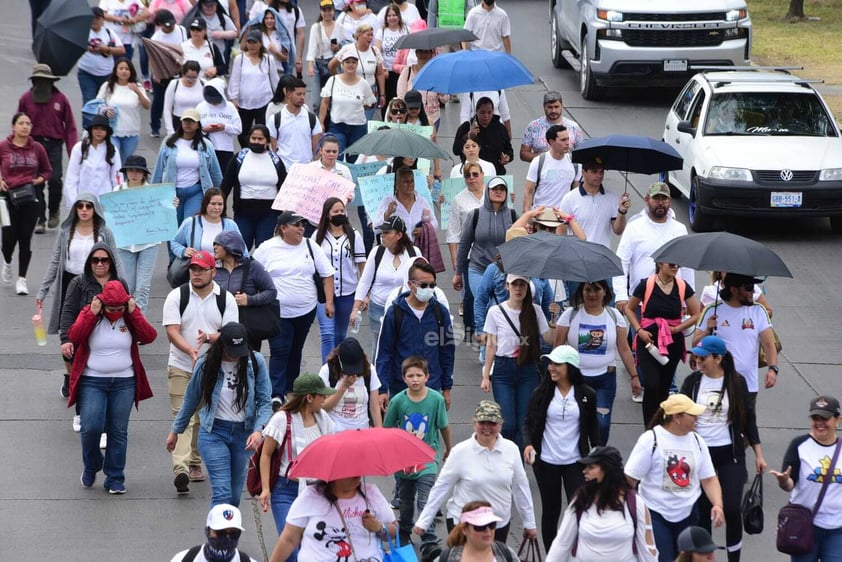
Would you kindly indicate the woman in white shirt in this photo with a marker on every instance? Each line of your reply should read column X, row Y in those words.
column 94, row 163
column 406, row 203
column 470, row 155
column 346, row 97
column 356, row 404
column 200, row 49
column 391, row 30
column 343, row 245
column 123, row 92
column 295, row 265
column 321, row 48
column 182, row 94
column 355, row 14
column 369, row 64
column 254, row 77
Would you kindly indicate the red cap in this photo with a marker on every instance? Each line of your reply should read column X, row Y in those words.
column 203, row 259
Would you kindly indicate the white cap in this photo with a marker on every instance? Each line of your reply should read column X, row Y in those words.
column 225, row 516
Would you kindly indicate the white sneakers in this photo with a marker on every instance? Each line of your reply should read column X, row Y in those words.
column 77, row 423
column 7, row 273
column 20, row 287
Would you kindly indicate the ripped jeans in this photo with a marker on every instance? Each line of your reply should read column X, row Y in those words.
column 605, row 386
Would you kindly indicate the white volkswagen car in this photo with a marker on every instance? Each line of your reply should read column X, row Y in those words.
column 755, row 143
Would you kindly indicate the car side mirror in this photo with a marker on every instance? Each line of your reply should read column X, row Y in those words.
column 686, row 127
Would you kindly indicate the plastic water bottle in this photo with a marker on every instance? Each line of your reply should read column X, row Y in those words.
column 39, row 330
column 354, row 328
column 654, row 352
column 688, row 331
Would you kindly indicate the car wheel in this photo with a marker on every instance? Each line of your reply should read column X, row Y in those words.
column 699, row 221
column 587, row 83
column 836, row 225
column 556, row 44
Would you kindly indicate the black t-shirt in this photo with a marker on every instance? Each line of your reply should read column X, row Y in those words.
column 660, row 304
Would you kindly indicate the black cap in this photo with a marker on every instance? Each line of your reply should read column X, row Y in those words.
column 97, row 12
column 135, row 162
column 393, row 223
column 164, row 17
column 413, row 99
column 696, row 539
column 351, row 357
column 235, row 340
column 738, row 280
column 603, row 455
column 198, row 23
column 289, row 217
column 824, row 406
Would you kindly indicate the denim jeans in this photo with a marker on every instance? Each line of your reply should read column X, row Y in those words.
column 138, row 268
column 416, row 490
column 472, row 282
column 512, row 386
column 333, row 330
column 346, row 135
column 375, row 317
column 827, row 547
column 605, row 386
column 256, row 227
column 285, row 349
column 105, row 404
column 125, row 146
column 225, row 456
column 666, row 533
column 157, row 108
column 89, row 84
column 189, row 201
column 283, row 494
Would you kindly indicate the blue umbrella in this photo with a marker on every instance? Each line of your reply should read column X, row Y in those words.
column 472, row 71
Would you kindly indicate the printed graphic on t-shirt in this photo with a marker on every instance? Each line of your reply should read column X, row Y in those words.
column 417, row 424
column 714, row 406
column 592, row 339
column 678, row 470
column 334, row 540
column 231, row 378
column 349, row 404
column 820, row 472
column 747, row 324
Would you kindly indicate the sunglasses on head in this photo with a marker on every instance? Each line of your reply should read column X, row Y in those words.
column 97, row 261
column 83, row 206
column 471, row 174
column 482, row 528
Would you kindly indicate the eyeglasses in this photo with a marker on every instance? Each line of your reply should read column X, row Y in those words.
column 84, row 206
column 198, row 269
column 472, row 174
column 424, row 285
column 397, row 111
column 190, row 78
column 673, row 265
column 482, row 528
column 98, row 261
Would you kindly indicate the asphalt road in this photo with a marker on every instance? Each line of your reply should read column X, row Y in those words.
column 49, row 516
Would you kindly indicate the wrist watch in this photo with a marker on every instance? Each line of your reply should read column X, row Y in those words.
column 774, row 368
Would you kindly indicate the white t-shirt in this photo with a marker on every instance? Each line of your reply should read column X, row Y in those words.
column 670, row 475
column 110, row 347
column 178, row 98
column 560, row 442
column 388, row 38
column 203, row 55
column 712, row 424
column 77, row 253
column 368, row 61
column 556, row 178
column 209, row 232
column 177, row 36
column 95, row 63
column 186, row 163
column 258, row 177
column 740, row 327
column 128, row 105
column 489, row 27
column 352, row 410
column 226, row 408
column 325, row 537
column 252, row 85
column 347, row 102
column 299, row 435
column 507, row 341
column 346, row 26
column 595, row 337
column 410, row 217
column 810, row 461
column 121, row 9
column 344, row 260
column 295, row 140
column 388, row 276
column 594, row 213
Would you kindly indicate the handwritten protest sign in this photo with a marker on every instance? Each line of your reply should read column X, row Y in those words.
column 141, row 215
column 306, row 188
column 360, row 171
column 375, row 188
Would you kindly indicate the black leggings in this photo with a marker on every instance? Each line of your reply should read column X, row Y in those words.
column 19, row 233
column 656, row 378
column 250, row 117
column 550, row 478
column 732, row 478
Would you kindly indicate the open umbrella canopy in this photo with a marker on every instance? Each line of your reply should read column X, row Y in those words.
column 165, row 59
column 629, row 153
column 472, row 71
column 434, row 37
column 61, row 34
column 722, row 251
column 548, row 255
column 397, row 142
column 377, row 451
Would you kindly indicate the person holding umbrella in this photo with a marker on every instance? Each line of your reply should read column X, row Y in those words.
column 494, row 140
column 96, row 64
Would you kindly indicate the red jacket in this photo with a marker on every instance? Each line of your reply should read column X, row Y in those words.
column 53, row 119
column 20, row 165
column 142, row 332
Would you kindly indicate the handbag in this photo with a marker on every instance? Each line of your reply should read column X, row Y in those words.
column 752, row 508
column 320, row 286
column 178, row 272
column 796, row 534
column 761, row 355
column 23, row 195
column 262, row 321
column 254, row 484
column 529, row 551
column 398, row 553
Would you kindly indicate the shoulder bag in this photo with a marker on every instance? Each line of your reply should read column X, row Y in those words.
column 796, row 533
column 261, row 321
column 317, row 279
column 752, row 508
column 22, row 195
column 178, row 272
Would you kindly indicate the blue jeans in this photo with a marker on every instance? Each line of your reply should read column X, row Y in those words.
column 105, row 404
column 125, row 145
column 827, row 548
column 129, row 51
column 225, row 456
column 89, row 84
column 138, row 268
column 512, row 386
column 605, row 386
column 285, row 349
column 256, row 227
column 333, row 330
column 347, row 135
column 375, row 317
column 283, row 494
column 189, row 201
column 666, row 533
column 416, row 490
column 472, row 282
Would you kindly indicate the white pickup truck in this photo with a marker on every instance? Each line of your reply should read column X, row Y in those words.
column 646, row 42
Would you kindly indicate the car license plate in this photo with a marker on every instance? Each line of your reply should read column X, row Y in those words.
column 786, row 199
column 675, row 65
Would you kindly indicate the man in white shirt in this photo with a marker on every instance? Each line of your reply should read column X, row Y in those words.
column 191, row 328
column 599, row 212
column 550, row 177
column 492, row 27
column 534, row 140
column 296, row 139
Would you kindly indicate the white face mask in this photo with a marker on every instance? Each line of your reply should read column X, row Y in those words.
column 424, row 295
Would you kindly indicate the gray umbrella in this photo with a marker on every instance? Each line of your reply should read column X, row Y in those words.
column 722, row 251
column 434, row 37
column 397, row 142
column 551, row 256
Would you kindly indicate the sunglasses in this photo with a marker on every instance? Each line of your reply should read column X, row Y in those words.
column 472, row 174
column 482, row 528
column 84, row 206
column 233, row 533
column 424, row 285
column 98, row 261
column 673, row 265
column 397, row 111
column 748, row 286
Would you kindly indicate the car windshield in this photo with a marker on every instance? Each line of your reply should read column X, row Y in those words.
column 777, row 113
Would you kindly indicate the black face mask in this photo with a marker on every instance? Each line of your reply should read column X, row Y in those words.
column 257, row 148
column 488, row 2
column 221, row 549
column 339, row 220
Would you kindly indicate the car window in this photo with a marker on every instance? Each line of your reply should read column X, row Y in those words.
column 685, row 99
column 773, row 113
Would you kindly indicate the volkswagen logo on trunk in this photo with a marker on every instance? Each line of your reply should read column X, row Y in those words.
column 786, row 175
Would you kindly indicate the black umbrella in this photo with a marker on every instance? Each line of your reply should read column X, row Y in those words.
column 434, row 37
column 551, row 256
column 61, row 34
column 722, row 251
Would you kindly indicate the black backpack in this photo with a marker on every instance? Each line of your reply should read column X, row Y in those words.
column 185, row 300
